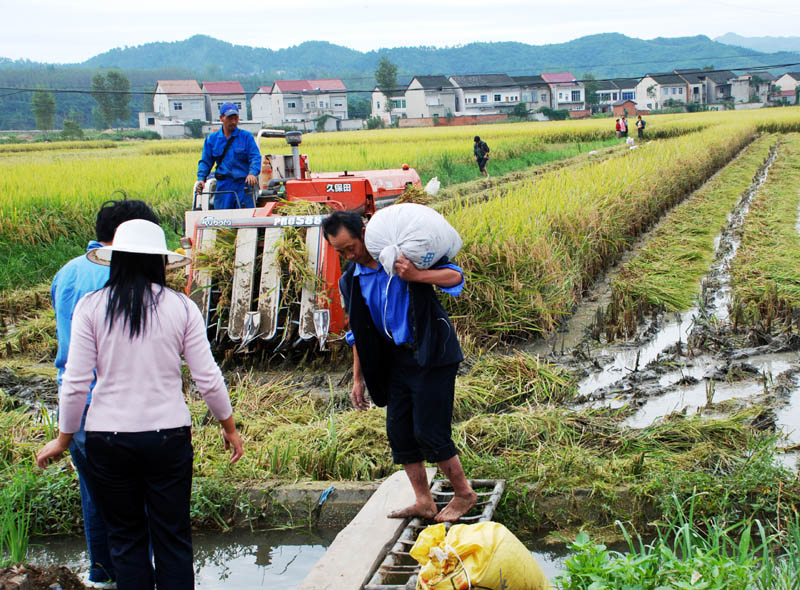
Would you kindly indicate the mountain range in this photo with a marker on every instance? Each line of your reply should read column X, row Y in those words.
column 205, row 58
column 766, row 44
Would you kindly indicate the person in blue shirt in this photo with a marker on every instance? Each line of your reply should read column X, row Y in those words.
column 406, row 354
column 76, row 278
column 237, row 158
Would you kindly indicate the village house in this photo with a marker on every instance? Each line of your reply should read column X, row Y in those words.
column 653, row 90
column 485, row 93
column 788, row 82
column 761, row 84
column 398, row 103
column 534, row 91
column 695, row 85
column 565, row 91
column 428, row 96
column 218, row 93
column 179, row 99
column 288, row 102
column 724, row 85
column 607, row 94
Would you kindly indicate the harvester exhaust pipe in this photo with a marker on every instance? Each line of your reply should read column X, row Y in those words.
column 294, row 139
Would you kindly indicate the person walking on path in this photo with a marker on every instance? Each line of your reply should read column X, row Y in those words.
column 481, row 151
column 640, row 125
column 623, row 126
column 75, row 279
column 619, row 129
column 131, row 334
column 406, row 353
column 237, row 158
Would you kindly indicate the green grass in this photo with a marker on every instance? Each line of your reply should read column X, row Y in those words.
column 690, row 552
column 766, row 270
column 666, row 272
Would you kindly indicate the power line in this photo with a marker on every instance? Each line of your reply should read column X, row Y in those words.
column 17, row 90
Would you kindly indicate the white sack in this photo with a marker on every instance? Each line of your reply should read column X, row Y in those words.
column 629, row 141
column 418, row 232
column 433, row 186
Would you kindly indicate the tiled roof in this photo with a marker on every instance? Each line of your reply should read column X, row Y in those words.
column 433, row 82
column 625, row 83
column 179, row 86
column 795, row 75
column 529, row 80
column 692, row 77
column 763, row 75
column 484, row 80
column 722, row 77
column 605, row 85
column 326, row 84
column 667, row 79
column 223, row 87
column 555, row 77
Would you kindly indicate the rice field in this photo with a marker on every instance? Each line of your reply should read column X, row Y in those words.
column 532, row 246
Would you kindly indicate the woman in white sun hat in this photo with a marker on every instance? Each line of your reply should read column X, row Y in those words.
column 138, row 440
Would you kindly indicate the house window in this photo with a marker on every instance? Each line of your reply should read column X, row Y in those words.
column 615, row 96
column 338, row 104
column 665, row 91
column 151, row 120
column 576, row 96
column 680, row 90
column 628, row 95
column 219, row 105
column 497, row 98
column 696, row 90
column 177, row 106
column 378, row 103
column 560, row 96
column 484, row 98
column 311, row 104
column 399, row 103
column 544, row 97
column 674, row 91
column 291, row 105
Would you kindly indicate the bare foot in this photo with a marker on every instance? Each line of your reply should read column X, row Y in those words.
column 457, row 507
column 424, row 511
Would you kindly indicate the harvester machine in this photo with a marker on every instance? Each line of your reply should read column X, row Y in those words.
column 258, row 305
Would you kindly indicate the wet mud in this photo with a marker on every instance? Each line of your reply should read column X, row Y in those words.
column 698, row 361
column 28, row 390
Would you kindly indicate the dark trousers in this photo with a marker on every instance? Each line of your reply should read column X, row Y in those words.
column 420, row 410
column 143, row 483
column 100, row 568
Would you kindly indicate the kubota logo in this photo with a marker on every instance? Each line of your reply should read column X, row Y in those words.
column 210, row 221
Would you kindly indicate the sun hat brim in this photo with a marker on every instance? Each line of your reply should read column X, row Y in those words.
column 103, row 255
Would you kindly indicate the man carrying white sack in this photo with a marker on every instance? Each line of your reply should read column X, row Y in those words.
column 406, row 354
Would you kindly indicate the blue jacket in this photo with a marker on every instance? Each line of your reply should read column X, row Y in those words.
column 76, row 278
column 241, row 159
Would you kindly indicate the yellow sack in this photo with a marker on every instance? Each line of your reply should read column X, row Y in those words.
column 475, row 556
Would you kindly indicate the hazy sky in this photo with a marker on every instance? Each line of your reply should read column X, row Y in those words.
column 61, row 32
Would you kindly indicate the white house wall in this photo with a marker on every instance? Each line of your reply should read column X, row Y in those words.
column 215, row 101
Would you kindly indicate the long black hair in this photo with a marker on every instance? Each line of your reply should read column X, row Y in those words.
column 130, row 289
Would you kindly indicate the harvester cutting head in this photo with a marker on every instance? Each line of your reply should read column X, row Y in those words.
column 266, row 277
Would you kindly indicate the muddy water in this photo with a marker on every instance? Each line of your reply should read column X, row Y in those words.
column 239, row 559
column 659, row 373
column 248, row 560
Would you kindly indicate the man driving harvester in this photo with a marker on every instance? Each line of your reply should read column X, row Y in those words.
column 406, row 352
column 237, row 159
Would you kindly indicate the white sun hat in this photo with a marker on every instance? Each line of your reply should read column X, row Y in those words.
column 138, row 236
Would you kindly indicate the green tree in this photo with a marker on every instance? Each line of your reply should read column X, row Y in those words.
column 591, row 85
column 520, row 110
column 358, row 107
column 72, row 130
column 386, row 79
column 44, row 107
column 112, row 93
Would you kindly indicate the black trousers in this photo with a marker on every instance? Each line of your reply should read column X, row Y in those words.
column 143, row 482
column 420, row 410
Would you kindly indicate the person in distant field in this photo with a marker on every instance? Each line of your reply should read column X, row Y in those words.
column 640, row 125
column 406, row 353
column 623, row 126
column 237, row 159
column 619, row 130
column 77, row 278
column 481, row 151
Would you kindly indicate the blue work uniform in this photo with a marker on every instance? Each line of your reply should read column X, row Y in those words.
column 388, row 299
column 76, row 278
column 242, row 158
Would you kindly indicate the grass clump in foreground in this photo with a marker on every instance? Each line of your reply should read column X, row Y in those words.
column 765, row 272
column 691, row 552
column 666, row 273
